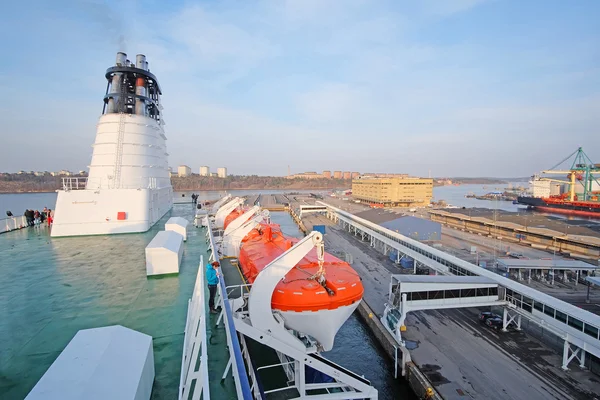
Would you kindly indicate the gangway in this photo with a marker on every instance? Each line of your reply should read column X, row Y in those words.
column 247, row 308
column 309, row 209
column 417, row 292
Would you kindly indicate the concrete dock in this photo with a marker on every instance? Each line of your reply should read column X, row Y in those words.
column 460, row 356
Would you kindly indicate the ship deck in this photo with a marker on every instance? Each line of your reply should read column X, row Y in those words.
column 53, row 287
column 270, row 378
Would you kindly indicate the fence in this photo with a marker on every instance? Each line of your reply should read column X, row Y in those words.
column 12, row 223
column 194, row 345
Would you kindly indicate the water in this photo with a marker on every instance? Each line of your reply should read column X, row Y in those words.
column 455, row 195
column 18, row 202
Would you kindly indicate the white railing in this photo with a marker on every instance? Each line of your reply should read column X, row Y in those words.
column 147, row 182
column 12, row 223
column 74, row 183
column 236, row 358
column 194, row 345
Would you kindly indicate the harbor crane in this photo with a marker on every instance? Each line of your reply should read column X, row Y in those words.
column 582, row 171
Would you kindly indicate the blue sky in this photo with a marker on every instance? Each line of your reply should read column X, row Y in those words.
column 455, row 87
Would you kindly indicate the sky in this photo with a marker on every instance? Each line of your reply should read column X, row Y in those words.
column 494, row 88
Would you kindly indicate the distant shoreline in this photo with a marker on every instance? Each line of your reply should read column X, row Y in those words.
column 195, row 190
column 29, row 192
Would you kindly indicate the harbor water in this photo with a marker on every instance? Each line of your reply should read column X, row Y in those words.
column 455, row 195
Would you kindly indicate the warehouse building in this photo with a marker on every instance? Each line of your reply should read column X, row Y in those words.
column 394, row 192
column 407, row 225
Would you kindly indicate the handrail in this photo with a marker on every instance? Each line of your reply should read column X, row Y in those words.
column 240, row 376
column 94, row 183
column 74, row 183
column 194, row 343
column 12, row 223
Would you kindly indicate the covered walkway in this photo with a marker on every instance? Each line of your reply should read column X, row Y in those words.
column 578, row 328
column 546, row 270
column 417, row 292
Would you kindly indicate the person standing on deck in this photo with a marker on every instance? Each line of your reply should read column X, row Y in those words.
column 212, row 279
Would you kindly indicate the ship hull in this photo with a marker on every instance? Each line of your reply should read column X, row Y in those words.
column 567, row 209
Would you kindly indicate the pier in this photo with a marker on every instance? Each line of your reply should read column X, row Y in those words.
column 458, row 355
column 575, row 245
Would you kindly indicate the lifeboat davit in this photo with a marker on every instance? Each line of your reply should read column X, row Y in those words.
column 233, row 216
column 308, row 306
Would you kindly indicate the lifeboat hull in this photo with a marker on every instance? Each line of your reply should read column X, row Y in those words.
column 305, row 305
column 322, row 325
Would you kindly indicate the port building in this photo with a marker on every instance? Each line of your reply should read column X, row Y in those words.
column 204, row 171
column 222, row 172
column 184, row 170
column 407, row 225
column 305, row 175
column 394, row 192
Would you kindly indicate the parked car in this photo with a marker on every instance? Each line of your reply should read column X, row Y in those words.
column 485, row 315
column 494, row 323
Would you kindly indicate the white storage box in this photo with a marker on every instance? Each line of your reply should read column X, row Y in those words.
column 112, row 362
column 163, row 254
column 179, row 225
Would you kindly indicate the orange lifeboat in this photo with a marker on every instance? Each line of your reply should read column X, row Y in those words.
column 299, row 291
column 315, row 307
column 233, row 216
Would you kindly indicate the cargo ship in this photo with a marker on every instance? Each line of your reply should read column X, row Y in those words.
column 582, row 195
column 561, row 205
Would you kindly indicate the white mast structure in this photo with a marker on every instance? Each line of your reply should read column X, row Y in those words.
column 128, row 188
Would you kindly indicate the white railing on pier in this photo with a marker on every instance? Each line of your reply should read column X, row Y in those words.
column 236, row 358
column 11, row 223
column 194, row 345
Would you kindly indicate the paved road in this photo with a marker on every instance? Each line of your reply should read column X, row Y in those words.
column 461, row 357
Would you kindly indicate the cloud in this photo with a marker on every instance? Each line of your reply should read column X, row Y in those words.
column 317, row 84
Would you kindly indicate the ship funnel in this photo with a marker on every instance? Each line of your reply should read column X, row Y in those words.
column 132, row 88
column 140, row 61
column 121, row 59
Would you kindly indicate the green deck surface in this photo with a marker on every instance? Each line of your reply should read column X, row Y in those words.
column 53, row 287
column 218, row 353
